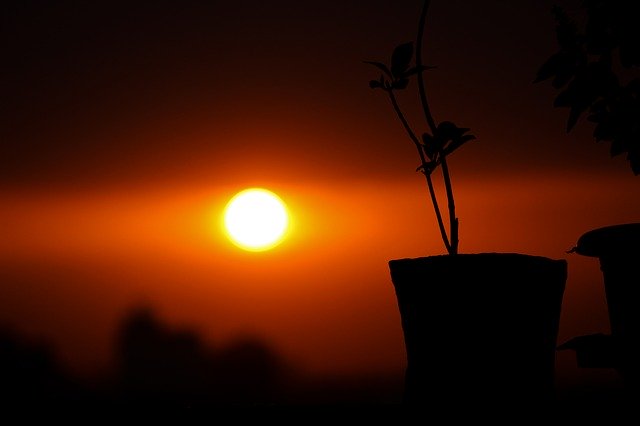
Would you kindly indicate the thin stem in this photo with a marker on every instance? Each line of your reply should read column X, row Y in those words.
column 419, row 64
column 453, row 220
column 432, row 192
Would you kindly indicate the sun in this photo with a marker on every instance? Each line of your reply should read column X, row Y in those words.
column 256, row 219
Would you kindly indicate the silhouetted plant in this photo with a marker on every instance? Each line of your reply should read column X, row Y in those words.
column 31, row 375
column 159, row 365
column 440, row 140
column 589, row 67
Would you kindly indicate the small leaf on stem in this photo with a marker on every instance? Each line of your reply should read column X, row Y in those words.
column 401, row 58
column 415, row 70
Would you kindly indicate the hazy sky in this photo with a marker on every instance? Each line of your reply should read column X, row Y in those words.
column 136, row 92
column 127, row 126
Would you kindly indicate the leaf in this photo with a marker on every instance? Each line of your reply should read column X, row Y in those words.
column 571, row 64
column 381, row 66
column 574, row 114
column 415, row 70
column 401, row 58
column 601, row 78
column 580, row 94
column 549, row 68
column 562, row 78
column 446, row 126
column 566, row 98
column 566, row 33
column 457, row 143
column 374, row 84
column 450, row 137
column 634, row 160
column 448, row 131
column 598, row 111
column 429, row 145
column 618, row 146
column 603, row 132
column 428, row 167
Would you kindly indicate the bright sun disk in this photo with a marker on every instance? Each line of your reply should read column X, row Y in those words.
column 256, row 219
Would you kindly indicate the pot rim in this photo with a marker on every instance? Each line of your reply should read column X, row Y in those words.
column 609, row 240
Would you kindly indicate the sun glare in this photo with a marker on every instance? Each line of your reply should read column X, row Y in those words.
column 256, row 219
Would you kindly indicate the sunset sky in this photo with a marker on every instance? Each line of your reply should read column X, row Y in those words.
column 127, row 126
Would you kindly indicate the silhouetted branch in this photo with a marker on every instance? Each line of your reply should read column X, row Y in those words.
column 452, row 248
column 453, row 220
column 424, row 167
column 423, row 94
column 441, row 139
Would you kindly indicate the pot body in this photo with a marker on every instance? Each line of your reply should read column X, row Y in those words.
column 479, row 327
column 621, row 274
column 617, row 248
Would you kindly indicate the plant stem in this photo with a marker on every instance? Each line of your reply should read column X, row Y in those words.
column 423, row 94
column 427, row 175
column 453, row 220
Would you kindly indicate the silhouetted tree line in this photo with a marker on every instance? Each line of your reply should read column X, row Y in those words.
column 158, row 365
column 155, row 366
column 29, row 374
column 159, row 368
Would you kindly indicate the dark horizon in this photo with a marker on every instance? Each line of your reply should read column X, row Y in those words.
column 155, row 365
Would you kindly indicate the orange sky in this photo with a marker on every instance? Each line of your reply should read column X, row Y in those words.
column 123, row 138
column 74, row 263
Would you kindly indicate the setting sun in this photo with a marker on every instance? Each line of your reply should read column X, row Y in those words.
column 256, row 219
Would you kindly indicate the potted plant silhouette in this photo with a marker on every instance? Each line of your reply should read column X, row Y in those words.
column 476, row 326
column 594, row 67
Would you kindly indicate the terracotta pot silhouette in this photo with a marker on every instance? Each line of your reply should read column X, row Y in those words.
column 479, row 327
column 617, row 247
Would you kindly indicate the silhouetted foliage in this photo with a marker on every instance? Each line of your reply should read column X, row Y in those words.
column 439, row 141
column 161, row 369
column 160, row 365
column 30, row 375
column 590, row 68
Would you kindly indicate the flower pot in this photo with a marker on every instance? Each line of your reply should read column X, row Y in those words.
column 479, row 327
column 618, row 249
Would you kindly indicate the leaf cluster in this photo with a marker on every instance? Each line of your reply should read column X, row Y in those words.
column 446, row 137
column 397, row 75
column 587, row 68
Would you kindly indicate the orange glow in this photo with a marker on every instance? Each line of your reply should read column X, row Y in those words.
column 323, row 299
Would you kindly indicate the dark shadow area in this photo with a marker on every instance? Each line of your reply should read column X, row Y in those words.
column 158, row 368
column 615, row 248
column 31, row 375
column 595, row 71
column 157, row 365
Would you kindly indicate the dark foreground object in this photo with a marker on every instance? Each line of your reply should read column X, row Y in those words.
column 617, row 247
column 479, row 328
